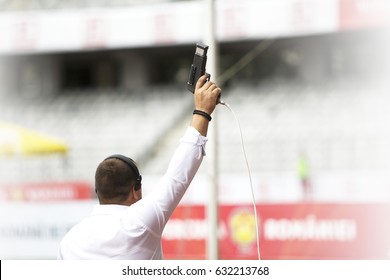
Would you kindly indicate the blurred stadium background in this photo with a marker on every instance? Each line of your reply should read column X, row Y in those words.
column 81, row 79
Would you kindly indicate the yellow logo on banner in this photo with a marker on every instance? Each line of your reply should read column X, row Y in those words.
column 243, row 227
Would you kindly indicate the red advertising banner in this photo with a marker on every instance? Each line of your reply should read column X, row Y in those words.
column 287, row 231
column 50, row 191
column 356, row 14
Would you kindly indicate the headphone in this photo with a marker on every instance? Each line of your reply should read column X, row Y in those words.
column 133, row 167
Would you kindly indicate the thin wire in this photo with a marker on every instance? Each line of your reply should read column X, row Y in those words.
column 229, row 73
column 250, row 178
column 245, row 60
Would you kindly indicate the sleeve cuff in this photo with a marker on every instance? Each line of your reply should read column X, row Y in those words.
column 193, row 137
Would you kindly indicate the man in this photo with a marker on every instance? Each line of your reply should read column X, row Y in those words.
column 124, row 226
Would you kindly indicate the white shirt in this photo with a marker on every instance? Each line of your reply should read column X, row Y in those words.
column 134, row 232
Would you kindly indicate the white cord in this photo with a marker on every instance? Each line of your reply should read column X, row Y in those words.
column 250, row 178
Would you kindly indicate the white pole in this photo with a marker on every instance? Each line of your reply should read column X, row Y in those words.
column 212, row 207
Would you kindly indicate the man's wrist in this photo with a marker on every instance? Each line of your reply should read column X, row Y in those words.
column 203, row 114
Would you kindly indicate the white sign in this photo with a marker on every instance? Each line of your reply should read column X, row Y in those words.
column 34, row 230
column 161, row 24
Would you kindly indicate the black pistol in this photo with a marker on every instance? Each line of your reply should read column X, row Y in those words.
column 198, row 66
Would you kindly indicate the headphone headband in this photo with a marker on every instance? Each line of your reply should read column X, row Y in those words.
column 133, row 167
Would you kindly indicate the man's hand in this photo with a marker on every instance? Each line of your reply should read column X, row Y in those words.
column 206, row 95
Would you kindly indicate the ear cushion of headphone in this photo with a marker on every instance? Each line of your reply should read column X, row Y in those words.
column 138, row 183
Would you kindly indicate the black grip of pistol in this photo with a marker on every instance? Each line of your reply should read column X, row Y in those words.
column 198, row 66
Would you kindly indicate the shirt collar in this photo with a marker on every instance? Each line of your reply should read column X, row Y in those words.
column 108, row 209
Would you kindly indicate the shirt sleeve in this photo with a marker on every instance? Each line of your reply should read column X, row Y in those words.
column 155, row 209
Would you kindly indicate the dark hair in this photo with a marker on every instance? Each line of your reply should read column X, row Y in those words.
column 114, row 180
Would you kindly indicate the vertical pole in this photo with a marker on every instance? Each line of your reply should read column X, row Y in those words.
column 212, row 207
